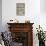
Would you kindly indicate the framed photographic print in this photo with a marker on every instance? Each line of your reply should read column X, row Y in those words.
column 20, row 9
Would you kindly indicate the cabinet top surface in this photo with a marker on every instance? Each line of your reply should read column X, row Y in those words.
column 19, row 23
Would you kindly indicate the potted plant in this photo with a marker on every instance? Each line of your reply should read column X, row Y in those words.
column 41, row 36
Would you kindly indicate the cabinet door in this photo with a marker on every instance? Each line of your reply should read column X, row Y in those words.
column 20, row 37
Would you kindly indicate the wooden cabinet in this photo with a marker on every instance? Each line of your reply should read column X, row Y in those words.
column 22, row 33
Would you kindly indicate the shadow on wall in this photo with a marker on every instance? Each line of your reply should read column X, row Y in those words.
column 43, row 6
column 0, row 15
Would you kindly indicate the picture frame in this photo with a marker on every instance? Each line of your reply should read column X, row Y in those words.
column 20, row 9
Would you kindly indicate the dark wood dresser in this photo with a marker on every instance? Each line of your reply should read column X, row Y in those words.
column 22, row 33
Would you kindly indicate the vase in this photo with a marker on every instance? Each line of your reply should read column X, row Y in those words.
column 41, row 43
